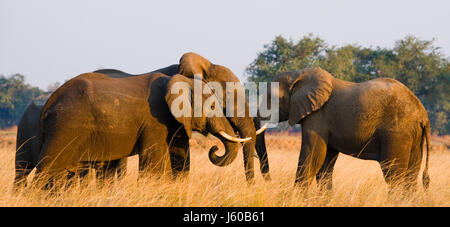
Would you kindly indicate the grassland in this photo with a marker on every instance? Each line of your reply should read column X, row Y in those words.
column 356, row 182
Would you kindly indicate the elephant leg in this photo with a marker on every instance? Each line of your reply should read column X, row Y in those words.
column 51, row 175
column 81, row 171
column 180, row 155
column 106, row 171
column 154, row 155
column 70, row 178
column 246, row 129
column 83, row 176
column 49, row 180
column 312, row 157
column 249, row 163
column 412, row 174
column 262, row 154
column 20, row 179
column 325, row 175
column 24, row 165
column 59, row 151
column 395, row 154
column 121, row 168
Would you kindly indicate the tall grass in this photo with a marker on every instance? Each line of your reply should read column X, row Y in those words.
column 355, row 183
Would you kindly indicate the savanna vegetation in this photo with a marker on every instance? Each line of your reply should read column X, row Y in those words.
column 356, row 182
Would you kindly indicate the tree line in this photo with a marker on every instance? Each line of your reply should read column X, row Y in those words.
column 15, row 95
column 418, row 64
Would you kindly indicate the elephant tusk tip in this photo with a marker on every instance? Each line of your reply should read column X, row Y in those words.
column 232, row 138
column 262, row 129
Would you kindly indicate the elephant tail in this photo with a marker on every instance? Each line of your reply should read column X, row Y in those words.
column 426, row 136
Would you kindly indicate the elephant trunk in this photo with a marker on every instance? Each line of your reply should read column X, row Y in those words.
column 222, row 129
column 231, row 150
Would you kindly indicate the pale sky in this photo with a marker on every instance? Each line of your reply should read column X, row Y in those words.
column 52, row 40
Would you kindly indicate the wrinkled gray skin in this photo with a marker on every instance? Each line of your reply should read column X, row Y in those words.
column 28, row 148
column 113, row 118
column 379, row 120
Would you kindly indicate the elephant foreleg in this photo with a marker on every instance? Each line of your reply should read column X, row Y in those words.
column 180, row 155
column 324, row 177
column 154, row 155
column 312, row 157
column 262, row 154
column 246, row 129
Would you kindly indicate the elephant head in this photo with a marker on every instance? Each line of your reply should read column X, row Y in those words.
column 308, row 93
column 181, row 101
column 311, row 88
column 193, row 65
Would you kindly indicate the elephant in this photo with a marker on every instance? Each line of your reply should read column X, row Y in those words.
column 192, row 64
column 28, row 147
column 112, row 118
column 380, row 119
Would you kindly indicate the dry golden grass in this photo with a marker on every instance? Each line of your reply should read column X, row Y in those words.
column 356, row 183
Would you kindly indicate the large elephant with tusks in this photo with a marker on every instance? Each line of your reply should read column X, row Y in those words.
column 112, row 118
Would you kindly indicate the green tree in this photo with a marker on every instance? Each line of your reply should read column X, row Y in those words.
column 340, row 62
column 284, row 55
column 15, row 95
column 418, row 64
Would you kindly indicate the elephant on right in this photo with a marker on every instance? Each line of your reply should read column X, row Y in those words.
column 380, row 119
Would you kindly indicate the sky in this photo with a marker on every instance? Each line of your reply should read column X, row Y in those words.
column 52, row 41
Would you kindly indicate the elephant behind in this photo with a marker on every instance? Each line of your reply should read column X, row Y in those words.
column 28, row 147
column 380, row 120
column 27, row 143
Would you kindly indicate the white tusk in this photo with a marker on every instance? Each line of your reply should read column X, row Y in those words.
column 262, row 129
column 234, row 139
column 255, row 155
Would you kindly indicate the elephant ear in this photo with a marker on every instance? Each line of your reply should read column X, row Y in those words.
column 192, row 65
column 308, row 93
column 178, row 98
